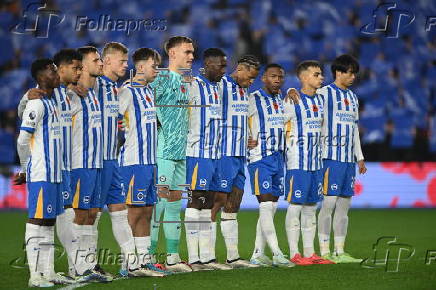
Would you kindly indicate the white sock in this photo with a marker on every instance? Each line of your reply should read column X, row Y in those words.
column 292, row 224
column 229, row 229
column 192, row 227
column 142, row 245
column 340, row 223
column 124, row 237
column 212, row 240
column 64, row 230
column 325, row 223
column 308, row 229
column 46, row 254
column 32, row 239
column 260, row 242
column 82, row 256
column 94, row 241
column 204, row 237
column 267, row 226
column 275, row 205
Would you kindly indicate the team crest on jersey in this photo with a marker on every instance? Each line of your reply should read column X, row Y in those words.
column 265, row 184
column 315, row 108
column 297, row 193
column 183, row 89
column 347, row 102
column 65, row 194
column 275, row 105
column 140, row 195
column 241, row 92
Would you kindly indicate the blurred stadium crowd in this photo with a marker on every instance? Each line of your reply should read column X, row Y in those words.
column 397, row 81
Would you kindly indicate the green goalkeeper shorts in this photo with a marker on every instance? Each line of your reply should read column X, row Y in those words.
column 172, row 173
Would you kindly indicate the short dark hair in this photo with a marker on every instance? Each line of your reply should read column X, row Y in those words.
column 84, row 50
column 145, row 53
column 304, row 65
column 213, row 52
column 176, row 40
column 39, row 65
column 250, row 61
column 343, row 63
column 66, row 56
column 272, row 65
column 113, row 46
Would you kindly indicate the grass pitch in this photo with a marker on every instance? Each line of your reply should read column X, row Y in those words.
column 415, row 230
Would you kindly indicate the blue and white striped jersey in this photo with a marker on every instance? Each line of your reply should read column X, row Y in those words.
column 266, row 124
column 235, row 117
column 107, row 93
column 340, row 131
column 138, row 109
column 204, row 135
column 41, row 119
column 63, row 102
column 303, row 133
column 87, row 134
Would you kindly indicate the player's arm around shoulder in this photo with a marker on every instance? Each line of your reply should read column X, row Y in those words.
column 125, row 97
column 160, row 84
column 32, row 115
column 252, row 112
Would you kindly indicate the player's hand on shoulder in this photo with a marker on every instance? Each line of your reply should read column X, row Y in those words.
column 35, row 93
column 20, row 178
column 122, row 125
column 362, row 166
column 78, row 89
column 292, row 96
column 251, row 143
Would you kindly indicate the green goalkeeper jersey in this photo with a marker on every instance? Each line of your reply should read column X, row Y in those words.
column 171, row 99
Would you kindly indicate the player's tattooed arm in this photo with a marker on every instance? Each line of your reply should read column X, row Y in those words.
column 251, row 143
column 292, row 95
